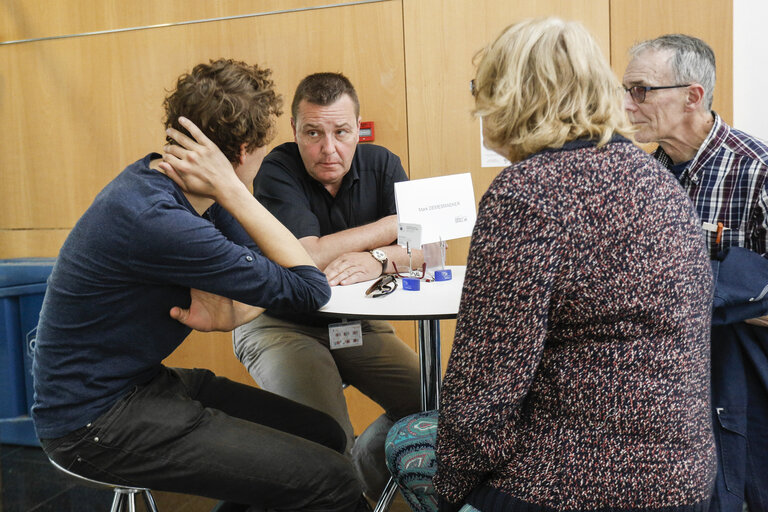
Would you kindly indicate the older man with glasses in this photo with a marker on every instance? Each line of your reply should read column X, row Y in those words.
column 669, row 85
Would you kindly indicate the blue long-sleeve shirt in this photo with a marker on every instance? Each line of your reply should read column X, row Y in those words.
column 135, row 253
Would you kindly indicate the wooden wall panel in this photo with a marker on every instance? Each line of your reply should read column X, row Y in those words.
column 81, row 109
column 712, row 21
column 441, row 38
column 23, row 243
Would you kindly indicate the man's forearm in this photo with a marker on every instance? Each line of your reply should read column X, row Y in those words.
column 274, row 239
column 325, row 249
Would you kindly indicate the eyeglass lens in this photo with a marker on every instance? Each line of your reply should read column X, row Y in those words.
column 638, row 93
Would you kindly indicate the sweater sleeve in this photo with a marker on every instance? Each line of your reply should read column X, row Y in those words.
column 514, row 260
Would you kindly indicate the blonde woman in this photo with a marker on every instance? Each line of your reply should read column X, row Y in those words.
column 578, row 378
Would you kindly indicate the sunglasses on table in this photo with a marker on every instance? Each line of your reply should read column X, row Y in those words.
column 384, row 285
column 638, row 92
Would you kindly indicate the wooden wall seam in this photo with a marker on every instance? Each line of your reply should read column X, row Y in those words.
column 186, row 22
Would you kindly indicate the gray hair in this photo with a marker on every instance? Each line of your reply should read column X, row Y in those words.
column 693, row 61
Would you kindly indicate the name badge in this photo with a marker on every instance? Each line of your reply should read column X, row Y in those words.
column 345, row 334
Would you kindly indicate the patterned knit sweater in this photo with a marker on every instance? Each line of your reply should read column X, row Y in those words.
column 579, row 376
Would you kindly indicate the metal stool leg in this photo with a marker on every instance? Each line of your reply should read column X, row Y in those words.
column 386, row 496
column 131, row 502
column 117, row 502
column 149, row 501
column 125, row 500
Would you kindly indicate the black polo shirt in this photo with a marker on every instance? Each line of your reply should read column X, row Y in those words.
column 306, row 208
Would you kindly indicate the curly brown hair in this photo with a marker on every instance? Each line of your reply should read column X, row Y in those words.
column 233, row 103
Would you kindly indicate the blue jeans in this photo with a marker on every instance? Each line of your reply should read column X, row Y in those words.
column 191, row 432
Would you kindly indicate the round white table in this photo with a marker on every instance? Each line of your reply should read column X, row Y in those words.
column 434, row 301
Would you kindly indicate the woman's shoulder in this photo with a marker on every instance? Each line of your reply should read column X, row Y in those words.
column 564, row 184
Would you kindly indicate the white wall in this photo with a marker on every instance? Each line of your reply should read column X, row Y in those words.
column 750, row 67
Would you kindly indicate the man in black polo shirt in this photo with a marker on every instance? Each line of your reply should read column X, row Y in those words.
column 338, row 199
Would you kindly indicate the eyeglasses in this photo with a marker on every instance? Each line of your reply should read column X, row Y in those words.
column 384, row 285
column 638, row 92
column 413, row 274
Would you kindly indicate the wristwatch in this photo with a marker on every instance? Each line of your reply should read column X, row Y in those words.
column 381, row 257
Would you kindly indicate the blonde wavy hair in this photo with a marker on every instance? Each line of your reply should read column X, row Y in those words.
column 544, row 82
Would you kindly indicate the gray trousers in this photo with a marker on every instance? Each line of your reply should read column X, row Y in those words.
column 295, row 361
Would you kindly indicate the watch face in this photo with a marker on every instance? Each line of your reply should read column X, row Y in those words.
column 379, row 254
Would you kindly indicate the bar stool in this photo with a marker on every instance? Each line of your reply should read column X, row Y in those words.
column 125, row 496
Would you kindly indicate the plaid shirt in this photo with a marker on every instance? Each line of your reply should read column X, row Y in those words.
column 726, row 181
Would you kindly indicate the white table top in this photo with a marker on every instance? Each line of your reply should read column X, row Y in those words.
column 436, row 299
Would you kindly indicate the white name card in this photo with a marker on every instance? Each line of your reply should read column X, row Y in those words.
column 444, row 206
column 488, row 157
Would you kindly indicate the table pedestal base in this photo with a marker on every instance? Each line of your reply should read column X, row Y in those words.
column 429, row 359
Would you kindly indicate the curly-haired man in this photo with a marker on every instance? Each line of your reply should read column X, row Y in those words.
column 177, row 242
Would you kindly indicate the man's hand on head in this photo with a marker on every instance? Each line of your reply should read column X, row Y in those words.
column 352, row 267
column 197, row 165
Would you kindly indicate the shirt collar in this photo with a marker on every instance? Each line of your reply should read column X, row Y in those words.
column 710, row 146
column 584, row 143
column 715, row 138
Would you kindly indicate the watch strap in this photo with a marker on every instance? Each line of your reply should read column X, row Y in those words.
column 383, row 261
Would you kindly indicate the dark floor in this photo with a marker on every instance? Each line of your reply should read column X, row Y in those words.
column 28, row 482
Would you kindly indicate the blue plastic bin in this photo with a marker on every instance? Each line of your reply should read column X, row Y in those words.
column 22, row 288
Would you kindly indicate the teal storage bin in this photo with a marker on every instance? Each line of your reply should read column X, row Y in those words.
column 22, row 288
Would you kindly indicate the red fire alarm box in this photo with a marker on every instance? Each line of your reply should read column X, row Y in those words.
column 366, row 131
